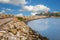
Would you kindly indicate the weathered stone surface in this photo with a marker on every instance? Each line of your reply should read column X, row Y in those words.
column 14, row 31
column 1, row 33
column 18, row 30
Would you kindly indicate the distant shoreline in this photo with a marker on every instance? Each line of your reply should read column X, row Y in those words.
column 42, row 18
column 36, row 19
column 55, row 17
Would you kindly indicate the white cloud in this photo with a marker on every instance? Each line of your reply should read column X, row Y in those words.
column 19, row 14
column 14, row 1
column 55, row 11
column 3, row 11
column 28, row 8
column 33, row 13
column 5, row 1
column 36, row 8
column 31, row 8
column 10, row 10
column 20, row 10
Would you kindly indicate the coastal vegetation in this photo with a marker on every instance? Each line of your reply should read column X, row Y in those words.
column 55, row 14
column 20, row 18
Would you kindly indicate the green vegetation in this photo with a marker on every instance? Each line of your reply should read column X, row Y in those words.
column 21, row 18
column 57, row 14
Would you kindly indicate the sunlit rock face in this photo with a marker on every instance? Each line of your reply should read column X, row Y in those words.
column 14, row 30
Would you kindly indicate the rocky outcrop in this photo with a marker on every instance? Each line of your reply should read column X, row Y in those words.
column 18, row 30
column 14, row 30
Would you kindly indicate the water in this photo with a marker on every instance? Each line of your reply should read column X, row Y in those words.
column 49, row 27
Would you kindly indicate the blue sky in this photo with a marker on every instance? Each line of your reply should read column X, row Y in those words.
column 53, row 5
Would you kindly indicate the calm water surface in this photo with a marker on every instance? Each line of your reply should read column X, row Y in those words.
column 49, row 27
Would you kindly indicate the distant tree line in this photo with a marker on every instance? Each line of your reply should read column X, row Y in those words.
column 49, row 14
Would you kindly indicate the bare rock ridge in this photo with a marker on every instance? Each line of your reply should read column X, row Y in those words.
column 14, row 29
